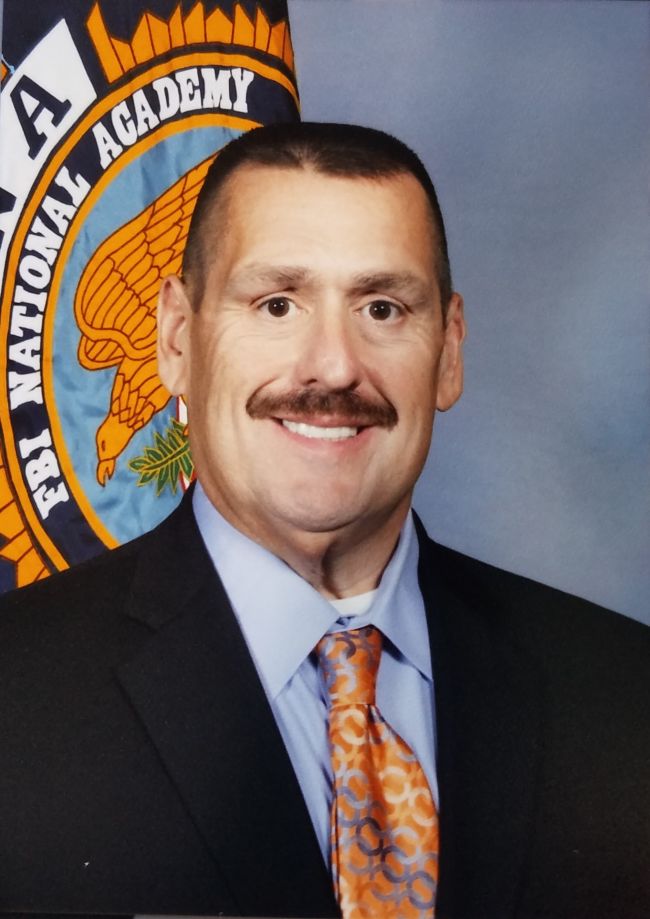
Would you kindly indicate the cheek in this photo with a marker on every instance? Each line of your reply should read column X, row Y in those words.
column 413, row 387
column 209, row 370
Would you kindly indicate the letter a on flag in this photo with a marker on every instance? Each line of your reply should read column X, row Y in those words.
column 110, row 115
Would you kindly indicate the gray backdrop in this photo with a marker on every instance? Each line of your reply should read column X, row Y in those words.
column 533, row 119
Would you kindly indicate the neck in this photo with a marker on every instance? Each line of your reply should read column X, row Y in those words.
column 339, row 563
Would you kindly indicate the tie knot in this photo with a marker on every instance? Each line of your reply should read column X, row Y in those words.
column 349, row 663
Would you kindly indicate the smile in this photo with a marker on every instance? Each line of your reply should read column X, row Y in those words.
column 315, row 431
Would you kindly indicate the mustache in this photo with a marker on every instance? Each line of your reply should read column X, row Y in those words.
column 344, row 404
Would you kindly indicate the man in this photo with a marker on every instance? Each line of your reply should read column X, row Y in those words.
column 171, row 741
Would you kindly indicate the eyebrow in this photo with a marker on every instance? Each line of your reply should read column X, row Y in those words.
column 403, row 283
column 280, row 276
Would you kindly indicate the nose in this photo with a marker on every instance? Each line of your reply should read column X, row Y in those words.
column 330, row 351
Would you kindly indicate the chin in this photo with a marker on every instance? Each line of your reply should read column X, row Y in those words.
column 317, row 517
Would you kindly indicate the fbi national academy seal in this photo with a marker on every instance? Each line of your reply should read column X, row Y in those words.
column 103, row 157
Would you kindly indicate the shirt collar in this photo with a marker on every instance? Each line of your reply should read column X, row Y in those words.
column 282, row 617
column 398, row 610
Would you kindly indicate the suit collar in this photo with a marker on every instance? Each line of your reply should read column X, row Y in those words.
column 195, row 688
column 488, row 699
column 171, row 568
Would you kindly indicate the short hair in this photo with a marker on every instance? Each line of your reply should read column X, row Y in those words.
column 344, row 150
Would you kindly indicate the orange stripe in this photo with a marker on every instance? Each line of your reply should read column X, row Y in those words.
column 262, row 31
column 103, row 44
column 243, row 30
column 159, row 34
column 219, row 28
column 276, row 41
column 176, row 28
column 125, row 54
column 194, row 25
column 141, row 44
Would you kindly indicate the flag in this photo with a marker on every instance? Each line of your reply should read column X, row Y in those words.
column 110, row 114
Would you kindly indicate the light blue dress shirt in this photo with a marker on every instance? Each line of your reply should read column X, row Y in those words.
column 282, row 618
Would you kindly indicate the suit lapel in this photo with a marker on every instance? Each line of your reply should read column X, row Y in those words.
column 488, row 699
column 195, row 688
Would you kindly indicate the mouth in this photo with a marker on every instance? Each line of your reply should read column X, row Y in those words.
column 325, row 417
column 320, row 432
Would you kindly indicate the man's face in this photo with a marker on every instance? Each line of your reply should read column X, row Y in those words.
column 318, row 354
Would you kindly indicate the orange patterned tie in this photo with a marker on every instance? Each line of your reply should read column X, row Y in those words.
column 384, row 837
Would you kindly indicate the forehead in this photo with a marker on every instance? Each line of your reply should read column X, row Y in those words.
column 250, row 181
column 264, row 211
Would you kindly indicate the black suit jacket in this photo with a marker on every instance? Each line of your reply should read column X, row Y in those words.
column 141, row 769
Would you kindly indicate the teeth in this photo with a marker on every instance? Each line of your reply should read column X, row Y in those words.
column 312, row 430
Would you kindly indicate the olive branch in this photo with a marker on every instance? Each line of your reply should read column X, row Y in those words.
column 166, row 459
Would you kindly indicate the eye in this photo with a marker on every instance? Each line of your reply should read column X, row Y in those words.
column 278, row 307
column 383, row 310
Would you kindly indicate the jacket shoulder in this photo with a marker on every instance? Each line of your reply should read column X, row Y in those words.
column 93, row 608
column 487, row 584
column 567, row 633
column 106, row 574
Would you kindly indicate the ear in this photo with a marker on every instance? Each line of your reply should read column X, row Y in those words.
column 174, row 324
column 450, row 370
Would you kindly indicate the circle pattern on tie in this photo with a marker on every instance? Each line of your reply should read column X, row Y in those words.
column 384, row 837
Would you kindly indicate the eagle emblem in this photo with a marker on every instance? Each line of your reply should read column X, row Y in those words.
column 115, row 309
